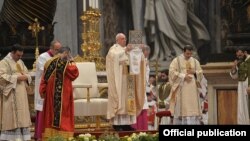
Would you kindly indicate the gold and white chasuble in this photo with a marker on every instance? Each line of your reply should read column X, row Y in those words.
column 184, row 96
column 126, row 84
column 14, row 106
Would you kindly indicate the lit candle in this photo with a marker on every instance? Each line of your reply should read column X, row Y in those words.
column 90, row 3
column 84, row 5
column 97, row 4
column 93, row 3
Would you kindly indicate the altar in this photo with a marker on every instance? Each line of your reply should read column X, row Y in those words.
column 222, row 93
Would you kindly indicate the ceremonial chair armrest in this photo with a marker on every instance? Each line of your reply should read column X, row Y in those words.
column 248, row 90
column 102, row 85
column 84, row 86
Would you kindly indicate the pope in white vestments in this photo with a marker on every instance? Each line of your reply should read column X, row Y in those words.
column 126, row 91
column 185, row 73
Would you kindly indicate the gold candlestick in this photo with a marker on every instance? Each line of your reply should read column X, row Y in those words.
column 35, row 29
column 84, row 45
column 156, row 65
column 91, row 38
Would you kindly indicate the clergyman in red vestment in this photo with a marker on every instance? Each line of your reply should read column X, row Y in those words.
column 56, row 88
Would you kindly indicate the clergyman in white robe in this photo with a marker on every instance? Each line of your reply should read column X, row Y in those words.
column 14, row 106
column 38, row 101
column 242, row 107
column 184, row 96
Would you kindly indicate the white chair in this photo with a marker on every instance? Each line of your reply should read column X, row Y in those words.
column 87, row 100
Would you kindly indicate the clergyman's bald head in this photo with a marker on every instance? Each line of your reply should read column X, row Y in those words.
column 121, row 39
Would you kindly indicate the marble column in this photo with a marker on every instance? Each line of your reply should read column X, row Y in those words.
column 110, row 22
column 117, row 17
column 138, row 8
column 1, row 4
column 66, row 27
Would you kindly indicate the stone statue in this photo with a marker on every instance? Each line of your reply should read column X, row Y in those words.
column 171, row 24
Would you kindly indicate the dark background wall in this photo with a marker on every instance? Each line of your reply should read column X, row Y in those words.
column 226, row 20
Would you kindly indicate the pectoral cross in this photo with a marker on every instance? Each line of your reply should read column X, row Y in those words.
column 188, row 65
column 35, row 29
column 19, row 69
